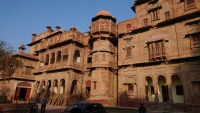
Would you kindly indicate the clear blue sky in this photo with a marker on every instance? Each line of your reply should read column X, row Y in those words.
column 20, row 18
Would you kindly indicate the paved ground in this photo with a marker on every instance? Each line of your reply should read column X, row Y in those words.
column 55, row 109
column 52, row 109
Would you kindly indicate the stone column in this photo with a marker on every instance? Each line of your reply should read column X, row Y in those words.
column 170, row 92
column 156, row 92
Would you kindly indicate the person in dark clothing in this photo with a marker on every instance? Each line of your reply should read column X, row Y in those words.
column 142, row 109
column 44, row 101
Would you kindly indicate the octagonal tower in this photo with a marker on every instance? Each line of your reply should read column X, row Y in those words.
column 103, row 42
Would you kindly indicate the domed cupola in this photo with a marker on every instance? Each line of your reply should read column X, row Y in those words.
column 103, row 23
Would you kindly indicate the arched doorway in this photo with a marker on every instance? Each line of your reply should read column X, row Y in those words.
column 62, row 86
column 48, row 88
column 163, row 93
column 149, row 89
column 177, row 89
column 73, row 86
column 88, row 88
column 55, row 87
column 23, row 91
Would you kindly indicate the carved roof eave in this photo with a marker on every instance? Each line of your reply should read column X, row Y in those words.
column 193, row 32
column 32, row 43
column 54, row 33
column 23, row 78
column 26, row 55
column 174, row 19
column 69, row 40
column 193, row 21
column 138, row 29
column 154, row 8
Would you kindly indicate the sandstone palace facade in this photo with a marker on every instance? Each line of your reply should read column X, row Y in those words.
column 152, row 57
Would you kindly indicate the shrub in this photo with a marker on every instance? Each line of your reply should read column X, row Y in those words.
column 3, row 98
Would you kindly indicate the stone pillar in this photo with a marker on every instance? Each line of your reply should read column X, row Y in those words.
column 170, row 92
column 156, row 92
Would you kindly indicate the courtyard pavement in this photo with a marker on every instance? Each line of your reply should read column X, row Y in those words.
column 52, row 109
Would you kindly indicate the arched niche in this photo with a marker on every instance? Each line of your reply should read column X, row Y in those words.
column 77, row 56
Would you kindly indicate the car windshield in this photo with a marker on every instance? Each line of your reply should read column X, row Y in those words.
column 81, row 106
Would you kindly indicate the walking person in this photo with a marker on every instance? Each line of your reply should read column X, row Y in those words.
column 44, row 101
column 142, row 109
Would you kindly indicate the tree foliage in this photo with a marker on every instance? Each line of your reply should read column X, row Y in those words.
column 8, row 63
column 3, row 98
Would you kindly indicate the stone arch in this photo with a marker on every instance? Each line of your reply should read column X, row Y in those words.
column 48, row 88
column 58, row 57
column 37, row 87
column 47, row 59
column 77, row 56
column 43, row 86
column 177, row 89
column 23, row 91
column 163, row 94
column 149, row 89
column 52, row 58
column 24, row 84
column 73, row 86
column 55, row 86
column 196, row 84
column 62, row 86
column 197, row 77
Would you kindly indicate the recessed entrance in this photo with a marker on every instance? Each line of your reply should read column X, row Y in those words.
column 23, row 91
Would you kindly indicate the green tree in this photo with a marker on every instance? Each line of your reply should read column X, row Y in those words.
column 3, row 98
column 8, row 64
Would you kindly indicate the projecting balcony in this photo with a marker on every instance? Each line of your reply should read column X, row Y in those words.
column 158, row 56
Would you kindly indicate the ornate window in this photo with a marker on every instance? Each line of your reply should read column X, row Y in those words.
column 155, row 15
column 52, row 58
column 179, row 90
column 190, row 4
column 128, row 51
column 65, row 55
column 47, row 60
column 194, row 33
column 154, row 10
column 94, row 85
column 195, row 40
column 128, row 47
column 77, row 56
column 58, row 57
column 157, row 48
column 145, row 21
column 130, row 88
column 167, row 15
column 28, row 71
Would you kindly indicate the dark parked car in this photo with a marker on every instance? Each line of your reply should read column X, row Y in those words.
column 86, row 108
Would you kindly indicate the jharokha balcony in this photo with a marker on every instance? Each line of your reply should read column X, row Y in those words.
column 158, row 56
